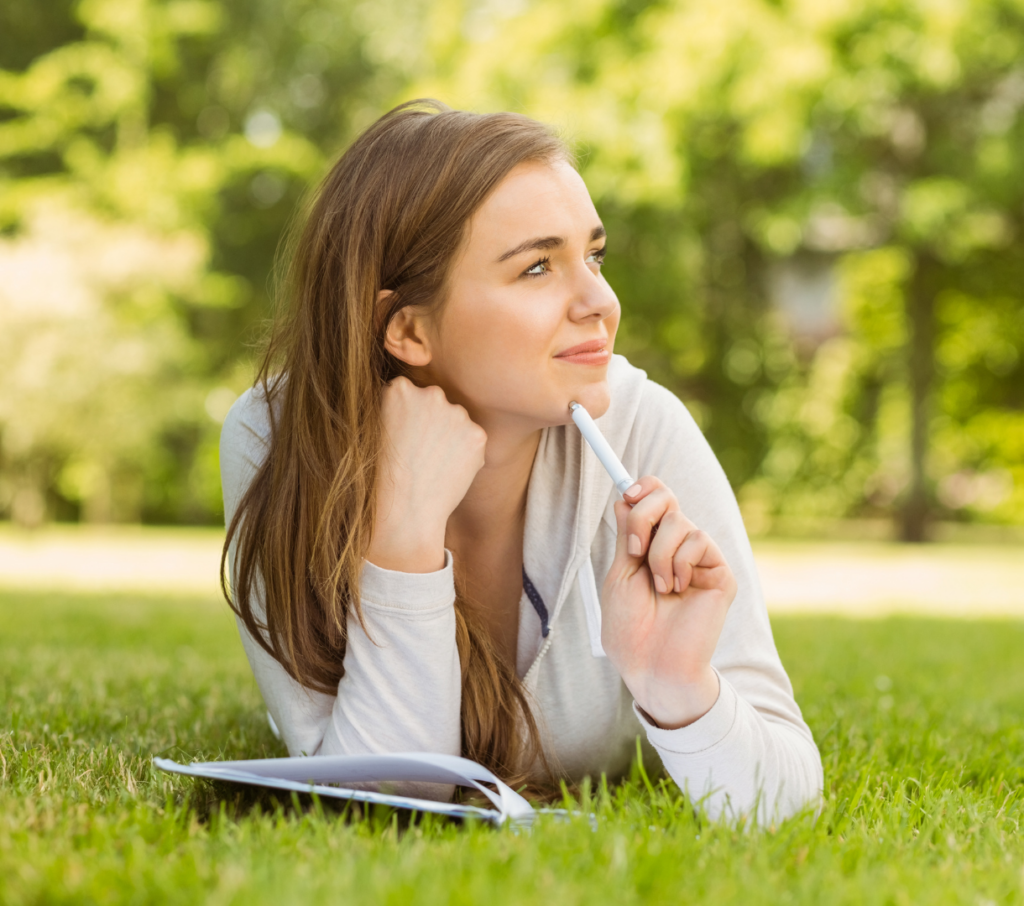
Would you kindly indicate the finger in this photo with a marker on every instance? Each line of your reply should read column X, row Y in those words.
column 645, row 515
column 698, row 562
column 671, row 532
column 719, row 578
column 621, row 515
column 641, row 489
column 623, row 564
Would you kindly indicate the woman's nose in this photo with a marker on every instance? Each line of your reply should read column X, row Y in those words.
column 593, row 297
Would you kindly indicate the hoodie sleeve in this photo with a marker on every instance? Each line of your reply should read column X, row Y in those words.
column 401, row 691
column 752, row 752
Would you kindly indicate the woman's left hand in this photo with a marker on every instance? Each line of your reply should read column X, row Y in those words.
column 663, row 604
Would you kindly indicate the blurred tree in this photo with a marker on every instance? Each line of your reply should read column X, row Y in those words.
column 875, row 141
column 150, row 155
column 922, row 114
column 815, row 218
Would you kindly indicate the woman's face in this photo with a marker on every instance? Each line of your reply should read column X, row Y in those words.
column 525, row 290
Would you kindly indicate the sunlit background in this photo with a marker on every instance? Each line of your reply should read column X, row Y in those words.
column 815, row 211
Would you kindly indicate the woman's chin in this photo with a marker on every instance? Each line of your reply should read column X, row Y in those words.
column 595, row 398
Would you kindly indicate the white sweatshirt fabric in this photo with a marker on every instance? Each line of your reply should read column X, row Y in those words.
column 751, row 754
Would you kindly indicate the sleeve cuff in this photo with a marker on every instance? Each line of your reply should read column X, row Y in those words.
column 393, row 590
column 704, row 733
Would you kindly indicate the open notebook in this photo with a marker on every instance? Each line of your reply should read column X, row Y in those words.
column 318, row 773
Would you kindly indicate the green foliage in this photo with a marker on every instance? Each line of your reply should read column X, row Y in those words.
column 816, row 220
column 919, row 723
column 876, row 139
column 149, row 159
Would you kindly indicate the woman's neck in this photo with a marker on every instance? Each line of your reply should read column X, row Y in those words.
column 496, row 500
column 485, row 535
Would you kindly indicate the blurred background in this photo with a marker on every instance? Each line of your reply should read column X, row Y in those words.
column 815, row 211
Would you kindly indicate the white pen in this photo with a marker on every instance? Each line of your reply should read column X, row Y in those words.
column 613, row 466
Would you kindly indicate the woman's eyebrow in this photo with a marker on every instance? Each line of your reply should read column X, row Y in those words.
column 548, row 242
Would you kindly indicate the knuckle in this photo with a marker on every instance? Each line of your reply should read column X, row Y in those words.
column 648, row 511
column 636, row 524
column 662, row 498
column 671, row 503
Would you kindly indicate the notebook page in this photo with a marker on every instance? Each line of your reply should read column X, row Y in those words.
column 309, row 774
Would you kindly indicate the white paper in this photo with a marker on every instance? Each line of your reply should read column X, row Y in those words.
column 312, row 774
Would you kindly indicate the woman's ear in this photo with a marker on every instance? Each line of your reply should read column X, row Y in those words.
column 406, row 335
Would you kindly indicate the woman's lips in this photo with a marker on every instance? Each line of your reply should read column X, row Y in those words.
column 594, row 352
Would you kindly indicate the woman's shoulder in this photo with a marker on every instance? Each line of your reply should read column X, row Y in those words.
column 247, row 421
column 642, row 405
column 665, row 440
column 656, row 434
column 245, row 436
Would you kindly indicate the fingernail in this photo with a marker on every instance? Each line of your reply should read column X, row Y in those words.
column 677, row 585
column 633, row 491
column 634, row 546
column 659, row 584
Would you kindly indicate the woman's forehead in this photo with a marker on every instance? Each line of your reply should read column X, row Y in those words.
column 536, row 199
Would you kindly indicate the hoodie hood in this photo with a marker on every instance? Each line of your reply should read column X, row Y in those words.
column 569, row 490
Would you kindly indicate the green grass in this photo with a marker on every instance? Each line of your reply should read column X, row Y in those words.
column 920, row 723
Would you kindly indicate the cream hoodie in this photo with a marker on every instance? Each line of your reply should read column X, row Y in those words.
column 751, row 753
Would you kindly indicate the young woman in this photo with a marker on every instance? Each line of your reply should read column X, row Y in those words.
column 417, row 529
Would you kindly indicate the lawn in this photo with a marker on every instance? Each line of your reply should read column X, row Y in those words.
column 920, row 723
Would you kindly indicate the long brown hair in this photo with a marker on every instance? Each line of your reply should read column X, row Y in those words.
column 391, row 214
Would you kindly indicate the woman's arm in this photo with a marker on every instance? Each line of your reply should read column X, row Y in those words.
column 750, row 750
column 401, row 688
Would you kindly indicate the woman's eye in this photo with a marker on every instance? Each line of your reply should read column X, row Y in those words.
column 538, row 269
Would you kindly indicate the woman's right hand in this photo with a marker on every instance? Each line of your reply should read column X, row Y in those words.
column 432, row 452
